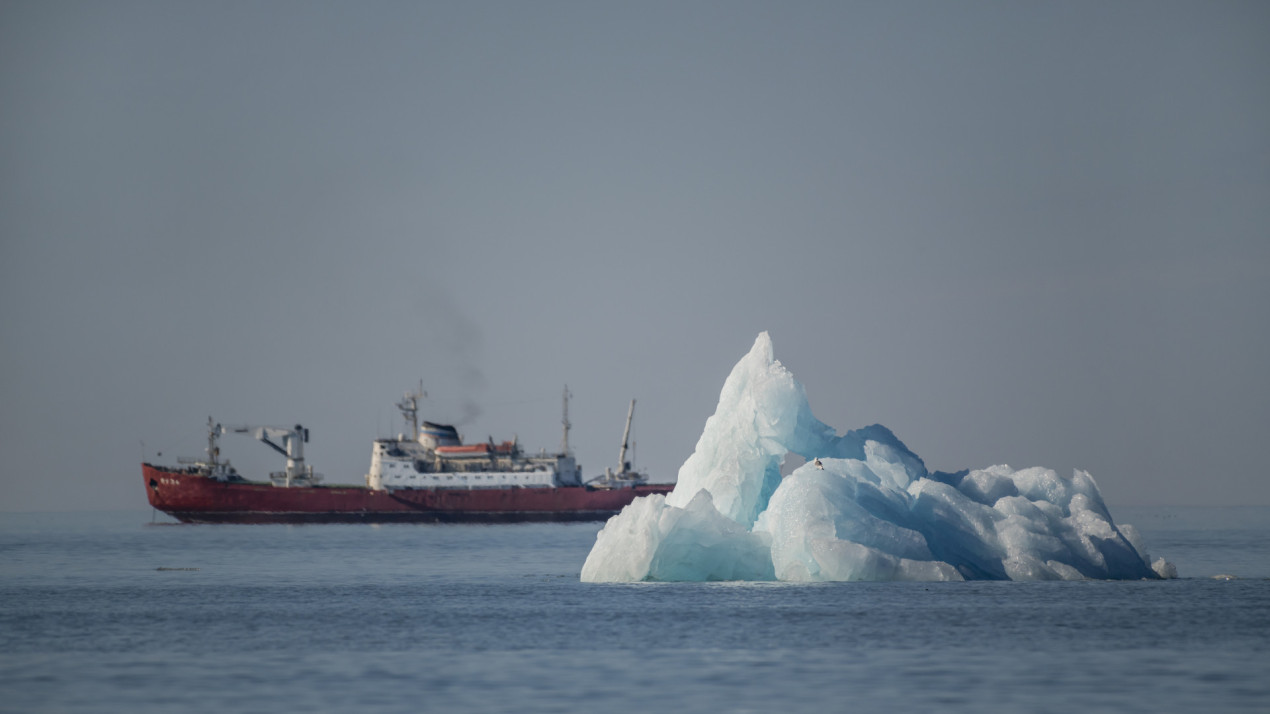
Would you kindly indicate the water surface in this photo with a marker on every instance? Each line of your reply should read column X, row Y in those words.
column 108, row 612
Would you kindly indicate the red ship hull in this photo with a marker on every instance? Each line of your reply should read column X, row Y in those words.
column 193, row 498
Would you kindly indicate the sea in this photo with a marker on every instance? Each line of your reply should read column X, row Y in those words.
column 132, row 612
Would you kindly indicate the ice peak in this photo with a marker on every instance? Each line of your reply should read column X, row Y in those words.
column 762, row 351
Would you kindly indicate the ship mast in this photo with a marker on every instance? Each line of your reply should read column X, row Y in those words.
column 409, row 406
column 564, row 445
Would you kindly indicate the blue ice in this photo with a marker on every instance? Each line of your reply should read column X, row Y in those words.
column 863, row 507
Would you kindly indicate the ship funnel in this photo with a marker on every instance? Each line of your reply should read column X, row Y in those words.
column 433, row 435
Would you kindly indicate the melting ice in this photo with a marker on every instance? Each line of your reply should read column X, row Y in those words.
column 863, row 507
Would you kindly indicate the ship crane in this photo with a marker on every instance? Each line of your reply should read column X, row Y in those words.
column 292, row 447
column 623, row 465
column 624, row 476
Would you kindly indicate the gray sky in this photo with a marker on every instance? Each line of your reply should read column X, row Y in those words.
column 1023, row 233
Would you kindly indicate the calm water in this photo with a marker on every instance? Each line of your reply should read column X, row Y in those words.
column 493, row 619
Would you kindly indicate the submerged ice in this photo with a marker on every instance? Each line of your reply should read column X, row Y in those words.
column 863, row 507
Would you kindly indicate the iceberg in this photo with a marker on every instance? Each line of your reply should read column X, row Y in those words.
column 862, row 507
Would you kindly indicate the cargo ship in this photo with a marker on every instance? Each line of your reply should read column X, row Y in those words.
column 427, row 475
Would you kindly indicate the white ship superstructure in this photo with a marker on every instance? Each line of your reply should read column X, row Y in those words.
column 433, row 456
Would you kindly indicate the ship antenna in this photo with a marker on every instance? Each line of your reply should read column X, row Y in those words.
column 565, row 421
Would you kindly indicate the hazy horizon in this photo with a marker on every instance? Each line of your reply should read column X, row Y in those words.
column 1036, row 235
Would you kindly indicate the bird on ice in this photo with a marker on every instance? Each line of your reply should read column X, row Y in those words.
column 819, row 465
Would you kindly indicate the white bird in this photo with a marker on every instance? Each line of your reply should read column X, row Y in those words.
column 819, row 465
